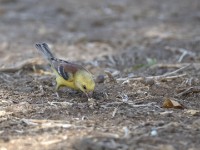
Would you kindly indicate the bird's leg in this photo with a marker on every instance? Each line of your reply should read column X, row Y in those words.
column 86, row 95
column 57, row 88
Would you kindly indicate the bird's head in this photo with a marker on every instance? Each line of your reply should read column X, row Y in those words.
column 84, row 81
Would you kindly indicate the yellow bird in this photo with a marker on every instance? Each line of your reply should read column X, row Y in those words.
column 68, row 74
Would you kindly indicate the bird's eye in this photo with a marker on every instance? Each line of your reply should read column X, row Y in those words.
column 84, row 87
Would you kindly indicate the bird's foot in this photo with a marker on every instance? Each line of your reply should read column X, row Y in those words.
column 57, row 95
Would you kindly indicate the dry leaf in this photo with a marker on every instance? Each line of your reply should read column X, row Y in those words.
column 91, row 102
column 193, row 112
column 111, row 77
column 166, row 147
column 4, row 113
column 169, row 103
column 196, row 124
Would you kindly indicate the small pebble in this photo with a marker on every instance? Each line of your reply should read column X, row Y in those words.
column 100, row 79
column 154, row 132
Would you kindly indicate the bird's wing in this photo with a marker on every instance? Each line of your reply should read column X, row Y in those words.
column 65, row 69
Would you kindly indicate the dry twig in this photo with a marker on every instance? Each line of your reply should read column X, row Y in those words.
column 152, row 77
column 29, row 63
column 181, row 50
column 189, row 90
column 164, row 76
column 115, row 111
column 129, row 103
column 176, row 71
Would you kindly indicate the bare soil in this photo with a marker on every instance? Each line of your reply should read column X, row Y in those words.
column 140, row 52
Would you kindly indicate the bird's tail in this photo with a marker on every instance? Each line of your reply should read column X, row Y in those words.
column 44, row 48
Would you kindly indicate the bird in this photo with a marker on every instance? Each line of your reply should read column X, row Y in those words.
column 68, row 74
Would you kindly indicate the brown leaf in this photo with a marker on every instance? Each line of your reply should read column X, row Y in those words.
column 169, row 103
column 4, row 113
column 193, row 112
column 166, row 147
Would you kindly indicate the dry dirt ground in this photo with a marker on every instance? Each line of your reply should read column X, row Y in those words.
column 143, row 52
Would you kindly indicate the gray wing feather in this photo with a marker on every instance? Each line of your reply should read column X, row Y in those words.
column 44, row 48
